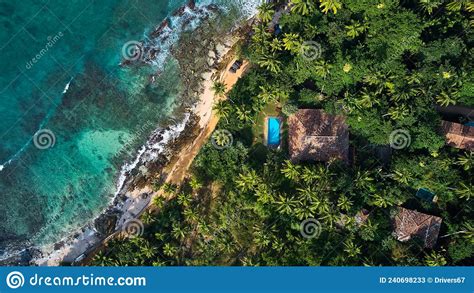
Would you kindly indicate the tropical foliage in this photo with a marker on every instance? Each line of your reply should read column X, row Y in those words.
column 385, row 65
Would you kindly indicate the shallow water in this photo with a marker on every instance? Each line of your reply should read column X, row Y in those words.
column 60, row 74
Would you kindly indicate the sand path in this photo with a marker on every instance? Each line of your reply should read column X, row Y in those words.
column 209, row 121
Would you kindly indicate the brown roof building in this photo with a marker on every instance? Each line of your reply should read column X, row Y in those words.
column 409, row 224
column 458, row 135
column 317, row 136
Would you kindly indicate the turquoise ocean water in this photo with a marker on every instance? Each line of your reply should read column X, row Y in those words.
column 59, row 62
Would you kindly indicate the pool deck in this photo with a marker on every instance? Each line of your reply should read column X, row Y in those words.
column 265, row 131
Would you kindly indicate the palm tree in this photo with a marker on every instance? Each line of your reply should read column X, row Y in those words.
column 169, row 250
column 270, row 62
column 184, row 199
column 398, row 113
column 465, row 191
column 191, row 216
column 222, row 109
column 275, row 45
column 381, row 201
column 457, row 5
column 159, row 202
column 169, row 188
column 267, row 95
column 266, row 12
column 261, row 37
column 177, row 231
column 219, row 88
column 147, row 250
column 430, row 5
column 327, row 5
column 222, row 138
column 304, row 211
column 324, row 206
column 466, row 161
column 285, row 205
column 303, row 7
column 355, row 29
column 100, row 259
column 435, row 259
column 467, row 232
column 195, row 183
column 445, row 100
column 264, row 194
column 247, row 180
column 292, row 42
column 344, row 203
column 307, row 194
column 322, row 68
column 402, row 176
column 160, row 236
column 330, row 217
column 351, row 249
column 364, row 181
column 309, row 175
column 291, row 171
column 243, row 114
column 148, row 218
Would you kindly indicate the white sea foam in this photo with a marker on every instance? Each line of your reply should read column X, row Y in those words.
column 152, row 149
column 189, row 20
column 66, row 88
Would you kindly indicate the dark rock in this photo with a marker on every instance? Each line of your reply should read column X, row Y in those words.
column 105, row 223
column 59, row 245
column 192, row 4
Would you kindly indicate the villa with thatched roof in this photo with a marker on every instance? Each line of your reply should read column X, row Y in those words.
column 317, row 136
column 409, row 224
column 458, row 135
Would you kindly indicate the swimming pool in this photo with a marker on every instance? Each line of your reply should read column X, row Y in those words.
column 273, row 131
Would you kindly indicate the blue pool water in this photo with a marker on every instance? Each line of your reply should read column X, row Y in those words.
column 273, row 131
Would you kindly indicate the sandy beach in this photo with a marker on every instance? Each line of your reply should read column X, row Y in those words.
column 208, row 121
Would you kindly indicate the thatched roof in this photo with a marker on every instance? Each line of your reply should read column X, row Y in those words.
column 317, row 136
column 458, row 135
column 409, row 224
